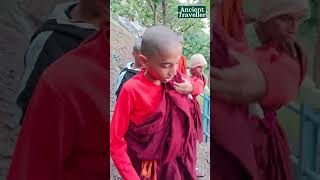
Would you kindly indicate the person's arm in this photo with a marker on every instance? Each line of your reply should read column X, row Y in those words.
column 118, row 129
column 241, row 83
column 46, row 137
column 269, row 82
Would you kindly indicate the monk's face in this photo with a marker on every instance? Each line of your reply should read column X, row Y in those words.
column 197, row 71
column 284, row 27
column 162, row 66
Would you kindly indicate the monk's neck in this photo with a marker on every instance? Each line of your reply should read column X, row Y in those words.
column 151, row 79
column 134, row 66
column 88, row 14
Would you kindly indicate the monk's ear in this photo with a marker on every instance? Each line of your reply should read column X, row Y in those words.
column 143, row 59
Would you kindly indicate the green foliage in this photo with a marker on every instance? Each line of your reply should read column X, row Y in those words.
column 134, row 10
column 196, row 43
column 195, row 39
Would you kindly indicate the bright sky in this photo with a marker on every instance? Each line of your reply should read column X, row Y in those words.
column 183, row 1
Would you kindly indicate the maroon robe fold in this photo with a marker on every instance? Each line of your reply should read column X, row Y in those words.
column 168, row 136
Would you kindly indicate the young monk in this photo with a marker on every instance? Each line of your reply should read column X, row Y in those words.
column 197, row 64
column 131, row 69
column 154, row 128
column 263, row 152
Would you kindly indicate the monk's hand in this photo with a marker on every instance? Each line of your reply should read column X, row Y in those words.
column 185, row 87
column 241, row 83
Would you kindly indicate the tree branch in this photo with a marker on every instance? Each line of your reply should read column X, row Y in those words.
column 150, row 4
column 184, row 30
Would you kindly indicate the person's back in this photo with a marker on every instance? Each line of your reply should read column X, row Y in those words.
column 60, row 33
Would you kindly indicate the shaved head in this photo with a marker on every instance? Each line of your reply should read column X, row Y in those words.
column 161, row 52
column 158, row 40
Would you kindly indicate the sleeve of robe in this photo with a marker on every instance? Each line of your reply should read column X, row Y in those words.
column 46, row 137
column 283, row 76
column 118, row 129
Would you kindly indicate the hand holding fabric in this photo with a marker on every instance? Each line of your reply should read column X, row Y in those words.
column 185, row 87
column 242, row 83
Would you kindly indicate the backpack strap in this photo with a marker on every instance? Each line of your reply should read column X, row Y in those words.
column 129, row 70
column 69, row 29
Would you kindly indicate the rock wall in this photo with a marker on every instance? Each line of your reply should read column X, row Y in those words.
column 121, row 44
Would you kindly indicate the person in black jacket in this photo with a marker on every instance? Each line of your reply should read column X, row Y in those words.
column 131, row 69
column 67, row 26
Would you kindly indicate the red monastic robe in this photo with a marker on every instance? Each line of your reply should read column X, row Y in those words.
column 65, row 131
column 165, row 135
column 168, row 136
column 183, row 65
column 252, row 148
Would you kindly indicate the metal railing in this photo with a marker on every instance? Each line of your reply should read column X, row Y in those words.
column 305, row 164
column 206, row 116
